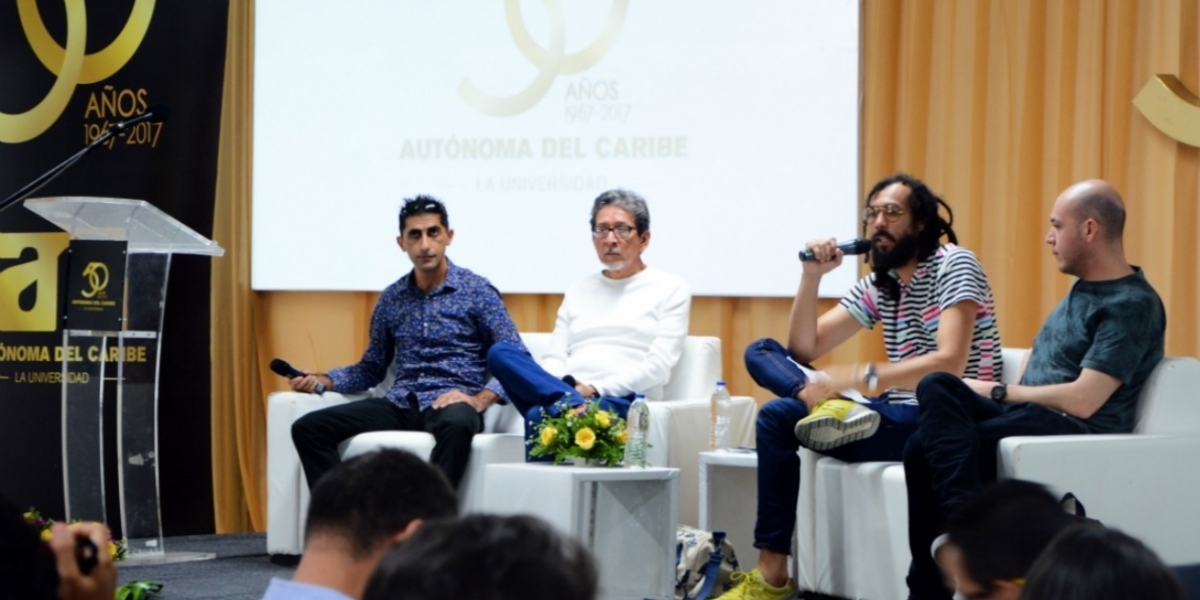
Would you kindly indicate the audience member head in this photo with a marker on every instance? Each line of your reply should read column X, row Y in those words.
column 621, row 232
column 1086, row 227
column 999, row 534
column 33, row 569
column 26, row 563
column 485, row 557
column 1092, row 562
column 901, row 218
column 360, row 508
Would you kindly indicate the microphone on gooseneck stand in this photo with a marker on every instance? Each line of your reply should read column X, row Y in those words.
column 281, row 367
column 854, row 246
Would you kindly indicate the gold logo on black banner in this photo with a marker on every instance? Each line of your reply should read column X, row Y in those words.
column 70, row 64
column 97, row 276
column 29, row 280
column 550, row 62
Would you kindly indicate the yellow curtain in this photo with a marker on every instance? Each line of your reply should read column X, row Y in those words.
column 238, row 406
column 997, row 104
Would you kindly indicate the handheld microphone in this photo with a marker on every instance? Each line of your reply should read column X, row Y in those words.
column 155, row 113
column 281, row 367
column 854, row 246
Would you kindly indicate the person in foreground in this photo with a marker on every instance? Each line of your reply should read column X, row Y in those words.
column 995, row 537
column 936, row 307
column 1097, row 563
column 618, row 332
column 486, row 557
column 33, row 569
column 358, row 510
column 1085, row 371
column 436, row 324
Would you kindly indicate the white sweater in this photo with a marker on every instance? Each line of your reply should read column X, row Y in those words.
column 621, row 336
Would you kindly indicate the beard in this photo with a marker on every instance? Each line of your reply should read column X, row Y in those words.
column 882, row 262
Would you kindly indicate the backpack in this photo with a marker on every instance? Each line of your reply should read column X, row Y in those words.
column 704, row 562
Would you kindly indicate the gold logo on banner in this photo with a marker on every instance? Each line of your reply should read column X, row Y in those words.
column 29, row 280
column 97, row 276
column 71, row 65
column 1171, row 107
column 551, row 62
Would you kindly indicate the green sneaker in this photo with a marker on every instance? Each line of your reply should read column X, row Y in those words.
column 751, row 586
column 836, row 423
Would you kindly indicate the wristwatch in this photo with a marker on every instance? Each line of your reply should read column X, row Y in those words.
column 871, row 378
column 999, row 392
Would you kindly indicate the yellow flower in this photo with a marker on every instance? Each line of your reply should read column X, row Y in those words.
column 548, row 435
column 602, row 418
column 585, row 438
column 46, row 533
column 112, row 549
column 623, row 436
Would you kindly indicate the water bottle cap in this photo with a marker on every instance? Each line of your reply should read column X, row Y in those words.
column 721, row 383
column 636, row 396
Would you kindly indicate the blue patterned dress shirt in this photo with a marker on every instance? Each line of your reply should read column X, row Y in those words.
column 439, row 340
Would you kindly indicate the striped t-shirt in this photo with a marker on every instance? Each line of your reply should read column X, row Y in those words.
column 949, row 276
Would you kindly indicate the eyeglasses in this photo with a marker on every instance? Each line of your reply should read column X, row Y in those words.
column 623, row 232
column 891, row 213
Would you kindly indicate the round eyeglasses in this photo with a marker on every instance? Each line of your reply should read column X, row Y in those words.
column 891, row 213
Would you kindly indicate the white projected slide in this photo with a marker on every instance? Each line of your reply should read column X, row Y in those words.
column 737, row 120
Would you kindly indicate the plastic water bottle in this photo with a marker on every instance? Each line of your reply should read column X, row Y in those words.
column 637, row 429
column 718, row 438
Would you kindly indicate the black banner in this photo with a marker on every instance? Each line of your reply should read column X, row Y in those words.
column 68, row 71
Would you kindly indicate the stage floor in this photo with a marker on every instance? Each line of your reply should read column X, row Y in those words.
column 241, row 570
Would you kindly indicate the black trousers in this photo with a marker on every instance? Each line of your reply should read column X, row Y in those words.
column 952, row 455
column 317, row 434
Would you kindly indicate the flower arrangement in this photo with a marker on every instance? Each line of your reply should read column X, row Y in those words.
column 581, row 432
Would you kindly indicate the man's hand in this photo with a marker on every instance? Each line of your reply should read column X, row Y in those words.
column 828, row 257
column 480, row 401
column 586, row 390
column 308, row 383
column 98, row 584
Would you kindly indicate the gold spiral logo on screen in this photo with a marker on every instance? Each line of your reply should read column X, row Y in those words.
column 551, row 62
column 70, row 64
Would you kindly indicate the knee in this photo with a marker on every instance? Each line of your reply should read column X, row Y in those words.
column 496, row 354
column 934, row 388
column 303, row 429
column 760, row 347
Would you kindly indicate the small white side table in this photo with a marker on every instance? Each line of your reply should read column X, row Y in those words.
column 626, row 517
column 729, row 497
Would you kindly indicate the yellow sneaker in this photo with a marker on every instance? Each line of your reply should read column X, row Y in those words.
column 835, row 423
column 751, row 586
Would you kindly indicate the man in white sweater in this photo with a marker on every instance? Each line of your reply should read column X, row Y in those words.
column 619, row 332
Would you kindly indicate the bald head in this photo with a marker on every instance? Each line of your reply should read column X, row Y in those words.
column 1098, row 200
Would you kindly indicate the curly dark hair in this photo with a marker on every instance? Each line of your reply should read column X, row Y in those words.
column 923, row 206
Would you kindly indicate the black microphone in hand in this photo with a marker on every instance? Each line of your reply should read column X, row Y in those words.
column 282, row 368
column 854, row 246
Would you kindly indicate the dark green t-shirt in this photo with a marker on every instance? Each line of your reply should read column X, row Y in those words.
column 1115, row 327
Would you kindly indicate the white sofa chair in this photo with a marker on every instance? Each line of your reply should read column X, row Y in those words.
column 852, row 525
column 679, row 432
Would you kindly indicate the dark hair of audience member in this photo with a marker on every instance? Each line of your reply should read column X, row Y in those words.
column 369, row 498
column 27, row 566
column 1092, row 562
column 1001, row 531
column 485, row 557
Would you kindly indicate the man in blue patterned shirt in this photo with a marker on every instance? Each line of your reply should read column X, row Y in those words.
column 437, row 324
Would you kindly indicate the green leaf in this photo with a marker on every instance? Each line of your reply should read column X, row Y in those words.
column 138, row 590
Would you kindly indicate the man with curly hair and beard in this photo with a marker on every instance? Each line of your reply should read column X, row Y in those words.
column 935, row 304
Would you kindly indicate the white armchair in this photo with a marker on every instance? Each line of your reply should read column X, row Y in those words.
column 852, row 519
column 679, row 431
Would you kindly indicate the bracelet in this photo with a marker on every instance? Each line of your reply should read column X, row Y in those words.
column 871, row 378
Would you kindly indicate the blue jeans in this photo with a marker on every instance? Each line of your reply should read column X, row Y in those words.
column 778, row 463
column 952, row 455
column 531, row 388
